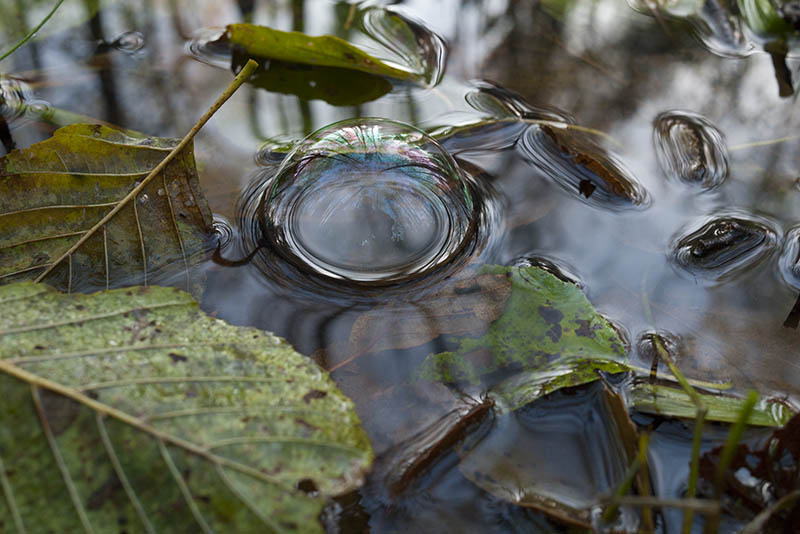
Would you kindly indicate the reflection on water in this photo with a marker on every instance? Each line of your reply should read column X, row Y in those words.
column 598, row 64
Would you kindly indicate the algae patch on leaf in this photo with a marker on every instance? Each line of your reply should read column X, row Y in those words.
column 133, row 405
column 549, row 330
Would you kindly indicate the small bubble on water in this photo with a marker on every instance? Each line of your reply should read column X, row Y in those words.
column 129, row 42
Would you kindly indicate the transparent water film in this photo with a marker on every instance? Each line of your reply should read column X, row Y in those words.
column 368, row 200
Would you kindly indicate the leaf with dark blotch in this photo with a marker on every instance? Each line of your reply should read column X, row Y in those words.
column 53, row 193
column 134, row 407
column 466, row 306
column 322, row 51
column 549, row 335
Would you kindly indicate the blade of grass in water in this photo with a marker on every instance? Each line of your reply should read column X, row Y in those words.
column 726, row 456
column 33, row 31
column 700, row 412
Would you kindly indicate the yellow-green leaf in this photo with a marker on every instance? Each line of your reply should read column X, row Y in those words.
column 297, row 47
column 54, row 192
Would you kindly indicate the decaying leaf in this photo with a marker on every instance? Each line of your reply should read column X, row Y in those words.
column 53, row 193
column 548, row 329
column 133, row 407
column 323, row 51
column 466, row 306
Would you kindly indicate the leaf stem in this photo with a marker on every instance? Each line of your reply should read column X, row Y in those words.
column 33, row 31
column 243, row 75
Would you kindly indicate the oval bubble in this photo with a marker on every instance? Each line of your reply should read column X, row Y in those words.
column 370, row 202
column 574, row 161
column 725, row 245
column 129, row 42
column 650, row 344
column 690, row 149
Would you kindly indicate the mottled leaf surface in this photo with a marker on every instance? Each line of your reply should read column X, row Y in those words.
column 132, row 410
column 548, row 330
column 297, row 47
column 467, row 305
column 54, row 192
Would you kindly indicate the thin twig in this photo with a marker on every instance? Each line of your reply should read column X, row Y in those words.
column 33, row 31
column 234, row 85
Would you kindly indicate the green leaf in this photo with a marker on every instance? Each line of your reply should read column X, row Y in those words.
column 53, row 193
column 323, row 51
column 674, row 402
column 336, row 86
column 549, row 330
column 133, row 407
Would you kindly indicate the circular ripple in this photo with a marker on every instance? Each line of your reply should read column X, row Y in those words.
column 366, row 202
column 690, row 149
column 725, row 245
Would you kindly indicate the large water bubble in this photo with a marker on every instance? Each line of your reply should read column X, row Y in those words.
column 368, row 201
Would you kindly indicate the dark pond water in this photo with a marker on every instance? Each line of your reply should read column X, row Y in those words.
column 686, row 220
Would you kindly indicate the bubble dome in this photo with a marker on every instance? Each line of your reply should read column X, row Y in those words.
column 368, row 201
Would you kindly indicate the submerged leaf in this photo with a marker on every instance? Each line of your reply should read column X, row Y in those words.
column 549, row 329
column 53, row 193
column 323, row 51
column 673, row 402
column 464, row 307
column 132, row 405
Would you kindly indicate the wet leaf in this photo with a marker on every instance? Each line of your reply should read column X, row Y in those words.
column 549, row 330
column 133, row 407
column 673, row 402
column 322, row 51
column 53, row 193
column 336, row 86
column 467, row 306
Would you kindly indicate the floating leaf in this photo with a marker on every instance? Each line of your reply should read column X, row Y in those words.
column 323, row 51
column 673, row 402
column 133, row 406
column 53, row 193
column 548, row 328
column 464, row 307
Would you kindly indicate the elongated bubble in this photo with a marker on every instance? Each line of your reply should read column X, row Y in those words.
column 725, row 245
